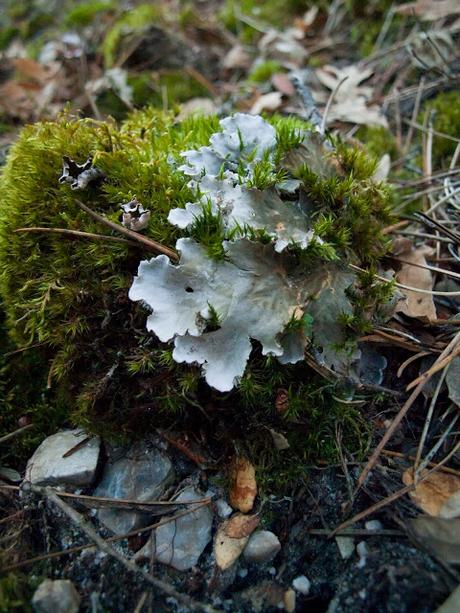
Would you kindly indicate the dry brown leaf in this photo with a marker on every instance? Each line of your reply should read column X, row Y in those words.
column 430, row 10
column 279, row 440
column 237, row 58
column 267, row 102
column 240, row 526
column 416, row 304
column 243, row 485
column 350, row 101
column 33, row 70
column 283, row 84
column 438, row 494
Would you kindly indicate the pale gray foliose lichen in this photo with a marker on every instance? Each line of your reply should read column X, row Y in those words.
column 258, row 290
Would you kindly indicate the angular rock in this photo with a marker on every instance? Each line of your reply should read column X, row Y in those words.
column 262, row 546
column 180, row 543
column 58, row 596
column 50, row 464
column 142, row 475
column 302, row 584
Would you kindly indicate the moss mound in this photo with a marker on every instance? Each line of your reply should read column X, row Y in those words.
column 65, row 296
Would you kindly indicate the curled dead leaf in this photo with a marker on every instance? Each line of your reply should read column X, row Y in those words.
column 243, row 485
column 413, row 274
column 430, row 10
column 438, row 494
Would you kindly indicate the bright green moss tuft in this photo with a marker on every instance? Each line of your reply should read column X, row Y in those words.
column 83, row 14
column 264, row 71
column 69, row 296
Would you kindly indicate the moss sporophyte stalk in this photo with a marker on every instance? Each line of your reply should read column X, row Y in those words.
column 266, row 215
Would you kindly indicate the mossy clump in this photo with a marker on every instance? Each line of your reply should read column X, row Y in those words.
column 66, row 296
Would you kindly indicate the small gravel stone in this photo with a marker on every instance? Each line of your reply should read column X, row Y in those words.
column 373, row 524
column 223, row 509
column 302, row 584
column 346, row 545
column 262, row 546
column 58, row 596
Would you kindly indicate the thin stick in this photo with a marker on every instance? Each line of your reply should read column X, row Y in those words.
column 79, row 521
column 153, row 245
column 410, row 132
column 100, row 501
column 445, row 434
column 388, row 434
column 437, row 366
column 111, row 539
column 435, row 132
column 420, row 384
column 322, row 127
column 429, row 415
column 356, row 532
column 402, row 286
column 11, row 435
column 392, row 497
column 455, row 192
column 79, row 234
column 402, row 456
column 441, row 239
column 409, row 360
column 449, row 273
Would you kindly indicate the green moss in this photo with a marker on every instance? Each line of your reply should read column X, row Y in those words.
column 83, row 14
column 445, row 113
column 16, row 591
column 264, row 71
column 174, row 86
column 352, row 209
column 310, row 417
column 70, row 296
column 243, row 16
column 378, row 141
column 7, row 34
column 131, row 21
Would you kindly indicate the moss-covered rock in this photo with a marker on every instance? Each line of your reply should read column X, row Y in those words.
column 66, row 295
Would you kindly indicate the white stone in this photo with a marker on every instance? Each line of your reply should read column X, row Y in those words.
column 262, row 546
column 58, row 596
column 302, row 585
column 181, row 542
column 48, row 466
column 346, row 545
column 373, row 524
column 223, row 509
